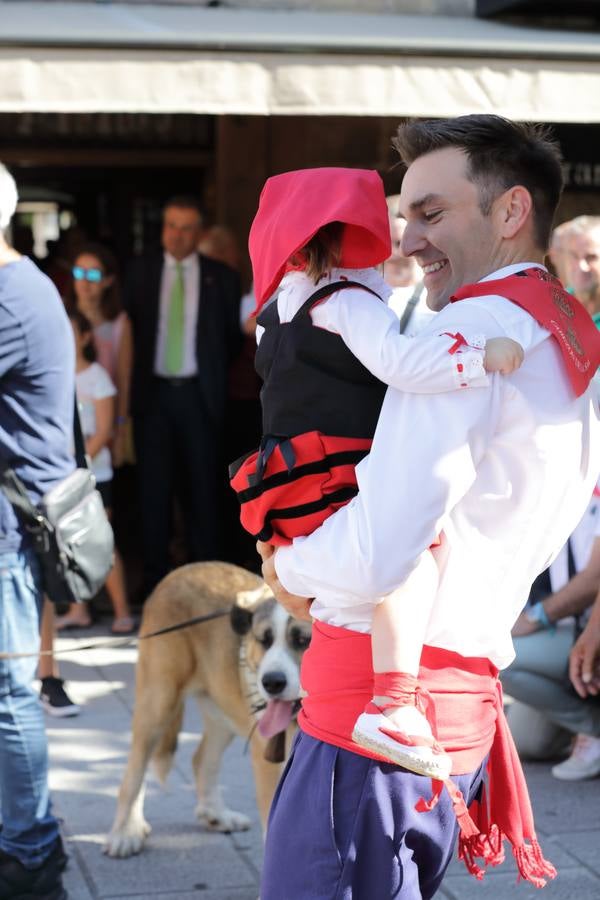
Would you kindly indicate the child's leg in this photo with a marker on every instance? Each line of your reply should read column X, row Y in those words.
column 115, row 585
column 395, row 725
column 400, row 620
column 47, row 666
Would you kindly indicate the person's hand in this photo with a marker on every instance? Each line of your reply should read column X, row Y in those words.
column 524, row 626
column 502, row 355
column 298, row 607
column 584, row 662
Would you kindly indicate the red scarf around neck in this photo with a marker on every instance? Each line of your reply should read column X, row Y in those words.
column 543, row 297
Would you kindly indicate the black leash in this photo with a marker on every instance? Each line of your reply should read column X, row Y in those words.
column 125, row 640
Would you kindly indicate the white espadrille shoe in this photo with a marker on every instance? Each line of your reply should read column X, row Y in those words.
column 406, row 740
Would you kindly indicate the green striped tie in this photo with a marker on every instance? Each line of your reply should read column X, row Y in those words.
column 175, row 324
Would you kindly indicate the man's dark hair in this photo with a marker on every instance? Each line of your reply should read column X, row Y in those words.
column 184, row 201
column 501, row 154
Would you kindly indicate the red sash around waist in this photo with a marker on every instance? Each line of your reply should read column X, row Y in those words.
column 543, row 297
column 337, row 675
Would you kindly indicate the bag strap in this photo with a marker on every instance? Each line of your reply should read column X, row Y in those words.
column 410, row 307
column 15, row 491
column 80, row 456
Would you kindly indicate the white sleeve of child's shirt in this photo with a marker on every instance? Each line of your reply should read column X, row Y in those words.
column 432, row 362
column 103, row 384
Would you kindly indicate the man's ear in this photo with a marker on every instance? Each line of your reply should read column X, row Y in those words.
column 514, row 211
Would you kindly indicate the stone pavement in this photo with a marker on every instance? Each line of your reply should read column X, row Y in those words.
column 181, row 861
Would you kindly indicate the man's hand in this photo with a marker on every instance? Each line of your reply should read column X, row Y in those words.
column 298, row 607
column 584, row 662
column 524, row 626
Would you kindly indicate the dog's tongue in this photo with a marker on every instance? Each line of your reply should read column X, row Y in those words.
column 276, row 717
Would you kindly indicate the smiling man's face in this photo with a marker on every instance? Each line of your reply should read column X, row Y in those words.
column 446, row 232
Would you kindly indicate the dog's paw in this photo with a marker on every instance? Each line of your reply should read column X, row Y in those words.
column 222, row 819
column 127, row 841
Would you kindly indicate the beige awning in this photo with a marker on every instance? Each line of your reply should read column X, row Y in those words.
column 79, row 57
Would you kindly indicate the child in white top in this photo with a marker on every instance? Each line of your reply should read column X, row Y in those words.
column 96, row 397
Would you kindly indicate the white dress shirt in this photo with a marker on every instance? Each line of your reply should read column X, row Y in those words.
column 505, row 472
column 370, row 330
column 191, row 283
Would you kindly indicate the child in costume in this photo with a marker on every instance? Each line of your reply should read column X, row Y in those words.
column 328, row 347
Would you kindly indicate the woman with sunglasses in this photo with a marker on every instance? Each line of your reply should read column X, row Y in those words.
column 96, row 295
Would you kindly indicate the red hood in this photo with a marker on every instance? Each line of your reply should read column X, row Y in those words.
column 294, row 205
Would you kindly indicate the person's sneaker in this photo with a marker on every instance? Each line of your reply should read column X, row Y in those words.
column 55, row 699
column 43, row 883
column 584, row 761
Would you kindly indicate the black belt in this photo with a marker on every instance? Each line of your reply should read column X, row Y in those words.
column 175, row 381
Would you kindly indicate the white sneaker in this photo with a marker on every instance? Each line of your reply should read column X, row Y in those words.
column 370, row 732
column 584, row 761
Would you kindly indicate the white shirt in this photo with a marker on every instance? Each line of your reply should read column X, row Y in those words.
column 505, row 472
column 370, row 330
column 191, row 282
column 94, row 383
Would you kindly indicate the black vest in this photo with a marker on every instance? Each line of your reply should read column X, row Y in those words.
column 311, row 380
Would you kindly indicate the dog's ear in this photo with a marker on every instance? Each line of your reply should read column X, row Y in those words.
column 240, row 620
column 251, row 600
column 246, row 602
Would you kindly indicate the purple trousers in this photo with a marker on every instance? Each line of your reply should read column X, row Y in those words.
column 344, row 827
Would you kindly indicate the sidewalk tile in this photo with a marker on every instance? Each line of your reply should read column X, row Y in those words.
column 585, row 845
column 571, row 884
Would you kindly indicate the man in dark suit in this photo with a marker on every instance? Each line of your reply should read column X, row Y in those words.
column 184, row 309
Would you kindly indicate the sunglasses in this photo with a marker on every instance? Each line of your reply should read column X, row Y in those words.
column 81, row 274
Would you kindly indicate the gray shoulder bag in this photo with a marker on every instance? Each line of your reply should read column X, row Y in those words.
column 71, row 535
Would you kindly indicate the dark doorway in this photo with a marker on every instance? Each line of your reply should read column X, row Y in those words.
column 111, row 173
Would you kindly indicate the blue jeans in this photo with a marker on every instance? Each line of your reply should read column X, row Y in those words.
column 29, row 830
column 538, row 678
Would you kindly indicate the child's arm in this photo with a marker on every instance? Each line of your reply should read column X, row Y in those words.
column 431, row 363
column 104, row 410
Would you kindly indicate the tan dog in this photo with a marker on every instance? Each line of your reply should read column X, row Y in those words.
column 234, row 674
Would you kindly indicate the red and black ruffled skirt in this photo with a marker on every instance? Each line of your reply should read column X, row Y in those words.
column 289, row 486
